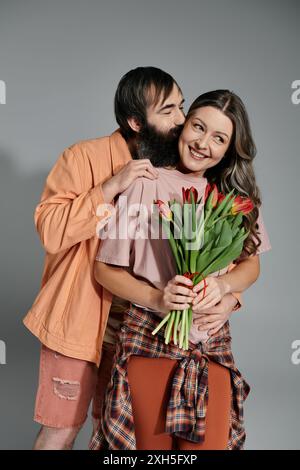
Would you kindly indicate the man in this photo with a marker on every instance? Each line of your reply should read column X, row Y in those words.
column 70, row 313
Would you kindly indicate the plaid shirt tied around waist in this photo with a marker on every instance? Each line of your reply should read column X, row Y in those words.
column 188, row 399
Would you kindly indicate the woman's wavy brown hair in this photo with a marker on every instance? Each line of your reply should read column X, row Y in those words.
column 235, row 170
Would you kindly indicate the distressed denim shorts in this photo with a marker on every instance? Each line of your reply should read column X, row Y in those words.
column 67, row 386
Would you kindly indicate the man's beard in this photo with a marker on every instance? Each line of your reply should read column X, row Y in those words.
column 160, row 148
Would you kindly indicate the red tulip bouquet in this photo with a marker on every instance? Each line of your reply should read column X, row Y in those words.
column 204, row 238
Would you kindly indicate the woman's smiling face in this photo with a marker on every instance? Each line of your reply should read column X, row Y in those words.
column 204, row 140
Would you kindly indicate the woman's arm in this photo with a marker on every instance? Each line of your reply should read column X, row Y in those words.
column 242, row 276
column 121, row 283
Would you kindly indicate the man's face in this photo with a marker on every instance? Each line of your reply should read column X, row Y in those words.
column 169, row 114
column 158, row 137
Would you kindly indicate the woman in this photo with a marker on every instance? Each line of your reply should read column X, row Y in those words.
column 161, row 397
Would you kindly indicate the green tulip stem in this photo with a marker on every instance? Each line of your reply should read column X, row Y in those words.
column 176, row 323
column 162, row 323
column 182, row 329
column 169, row 327
column 187, row 330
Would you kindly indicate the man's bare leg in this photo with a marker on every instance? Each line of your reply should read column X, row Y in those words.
column 56, row 439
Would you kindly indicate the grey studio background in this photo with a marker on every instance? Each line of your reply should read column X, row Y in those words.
column 60, row 63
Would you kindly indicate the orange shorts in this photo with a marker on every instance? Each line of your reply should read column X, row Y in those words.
column 67, row 386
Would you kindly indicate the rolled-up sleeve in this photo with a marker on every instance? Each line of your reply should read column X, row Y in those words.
column 67, row 215
column 263, row 235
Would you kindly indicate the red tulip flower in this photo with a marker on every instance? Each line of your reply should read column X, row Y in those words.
column 242, row 204
column 221, row 196
column 188, row 193
column 212, row 189
column 164, row 209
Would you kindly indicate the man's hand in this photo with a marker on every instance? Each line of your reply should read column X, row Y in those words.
column 214, row 317
column 132, row 170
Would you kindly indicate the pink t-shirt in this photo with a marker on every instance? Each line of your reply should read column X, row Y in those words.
column 148, row 259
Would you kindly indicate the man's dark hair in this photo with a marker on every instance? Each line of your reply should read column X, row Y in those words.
column 134, row 95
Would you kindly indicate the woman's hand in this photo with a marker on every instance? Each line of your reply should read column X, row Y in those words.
column 206, row 298
column 177, row 294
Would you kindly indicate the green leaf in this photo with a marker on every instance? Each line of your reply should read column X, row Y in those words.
column 227, row 208
column 230, row 253
column 238, row 219
column 205, row 260
column 204, row 257
column 226, row 234
column 220, row 207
